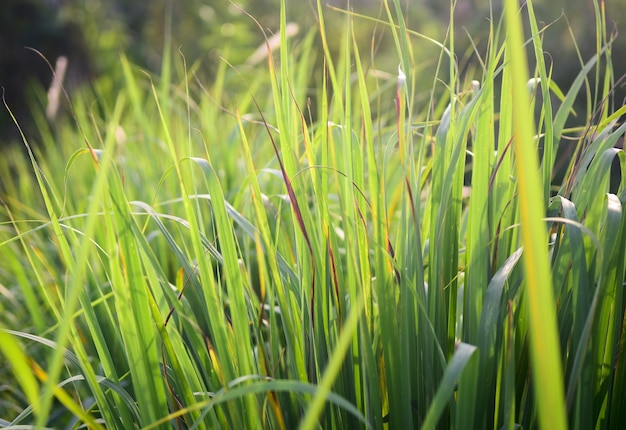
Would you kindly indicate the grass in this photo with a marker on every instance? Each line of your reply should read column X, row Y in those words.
column 295, row 246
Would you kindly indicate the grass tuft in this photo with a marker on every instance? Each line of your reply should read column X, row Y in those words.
column 319, row 242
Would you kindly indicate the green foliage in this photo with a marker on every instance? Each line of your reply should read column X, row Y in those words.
column 292, row 246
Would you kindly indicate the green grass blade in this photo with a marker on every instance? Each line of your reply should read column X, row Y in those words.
column 545, row 351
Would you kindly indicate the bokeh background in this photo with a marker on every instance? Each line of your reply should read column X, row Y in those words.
column 93, row 33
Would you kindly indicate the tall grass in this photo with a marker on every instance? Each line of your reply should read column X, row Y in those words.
column 303, row 246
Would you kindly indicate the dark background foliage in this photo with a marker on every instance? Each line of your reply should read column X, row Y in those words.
column 93, row 34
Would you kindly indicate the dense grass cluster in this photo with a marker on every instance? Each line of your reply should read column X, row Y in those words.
column 283, row 248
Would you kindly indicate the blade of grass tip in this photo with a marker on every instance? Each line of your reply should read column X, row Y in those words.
column 565, row 109
column 617, row 396
column 328, row 59
column 466, row 396
column 400, row 37
column 488, row 336
column 604, row 339
column 544, row 345
column 166, row 62
column 575, row 256
column 549, row 147
column 602, row 41
column 598, row 324
column 609, row 75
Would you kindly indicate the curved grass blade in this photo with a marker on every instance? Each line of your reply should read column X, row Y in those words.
column 465, row 359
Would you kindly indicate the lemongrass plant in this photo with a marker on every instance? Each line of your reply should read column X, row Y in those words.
column 310, row 252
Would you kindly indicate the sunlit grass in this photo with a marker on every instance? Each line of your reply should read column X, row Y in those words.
column 315, row 243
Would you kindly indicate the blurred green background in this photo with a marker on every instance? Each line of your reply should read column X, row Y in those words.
column 93, row 34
